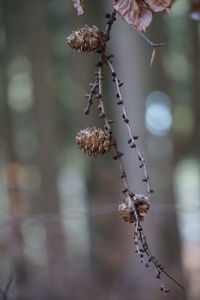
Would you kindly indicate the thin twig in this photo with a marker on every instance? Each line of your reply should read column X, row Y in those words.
column 136, row 233
column 155, row 45
column 108, row 127
column 101, row 100
column 110, row 22
column 153, row 260
column 126, row 189
column 132, row 137
column 174, row 280
column 156, row 263
column 89, row 96
column 152, row 44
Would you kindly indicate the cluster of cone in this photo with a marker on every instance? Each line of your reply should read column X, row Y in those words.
column 96, row 141
column 93, row 141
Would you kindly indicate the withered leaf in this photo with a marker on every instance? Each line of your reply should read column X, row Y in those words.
column 135, row 12
column 159, row 5
column 140, row 12
column 78, row 4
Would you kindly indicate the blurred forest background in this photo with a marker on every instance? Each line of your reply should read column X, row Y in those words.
column 60, row 233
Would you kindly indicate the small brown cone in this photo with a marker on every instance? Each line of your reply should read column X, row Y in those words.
column 126, row 212
column 87, row 39
column 94, row 141
column 140, row 204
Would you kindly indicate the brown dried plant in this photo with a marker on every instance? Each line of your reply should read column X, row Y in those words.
column 135, row 12
column 95, row 142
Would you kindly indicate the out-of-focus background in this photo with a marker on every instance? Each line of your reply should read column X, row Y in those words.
column 60, row 233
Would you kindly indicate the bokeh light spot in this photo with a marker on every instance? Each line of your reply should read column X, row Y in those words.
column 20, row 92
column 158, row 116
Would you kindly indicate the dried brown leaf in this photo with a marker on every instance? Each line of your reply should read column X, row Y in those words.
column 78, row 4
column 140, row 12
column 159, row 5
column 135, row 12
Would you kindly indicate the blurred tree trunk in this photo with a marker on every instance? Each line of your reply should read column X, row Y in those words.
column 17, row 199
column 195, row 82
column 47, row 198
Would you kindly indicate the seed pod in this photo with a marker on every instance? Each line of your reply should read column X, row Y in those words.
column 126, row 212
column 94, row 141
column 87, row 39
column 140, row 204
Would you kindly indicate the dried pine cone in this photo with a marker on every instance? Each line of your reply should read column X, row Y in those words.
column 141, row 204
column 87, row 39
column 94, row 141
